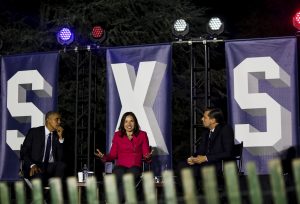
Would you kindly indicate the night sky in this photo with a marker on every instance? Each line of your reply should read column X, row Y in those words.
column 257, row 18
column 243, row 19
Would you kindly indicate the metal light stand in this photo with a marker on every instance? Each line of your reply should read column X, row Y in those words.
column 84, row 116
column 193, row 84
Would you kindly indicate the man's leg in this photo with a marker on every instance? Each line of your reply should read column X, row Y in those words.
column 56, row 169
column 196, row 175
column 42, row 175
column 178, row 180
column 53, row 169
column 198, row 179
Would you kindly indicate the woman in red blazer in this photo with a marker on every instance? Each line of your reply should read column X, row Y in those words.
column 130, row 146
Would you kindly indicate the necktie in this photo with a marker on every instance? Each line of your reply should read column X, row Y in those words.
column 210, row 132
column 48, row 148
column 208, row 143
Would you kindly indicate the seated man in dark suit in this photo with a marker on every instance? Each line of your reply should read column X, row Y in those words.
column 42, row 150
column 216, row 145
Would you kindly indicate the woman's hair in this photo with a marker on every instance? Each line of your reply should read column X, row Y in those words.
column 136, row 124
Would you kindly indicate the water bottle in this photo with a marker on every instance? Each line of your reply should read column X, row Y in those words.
column 85, row 172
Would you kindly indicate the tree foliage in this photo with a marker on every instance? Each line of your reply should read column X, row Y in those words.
column 127, row 22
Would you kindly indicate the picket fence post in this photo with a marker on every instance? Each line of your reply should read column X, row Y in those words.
column 296, row 173
column 277, row 182
column 4, row 198
column 254, row 187
column 232, row 183
column 190, row 194
column 20, row 192
column 210, row 185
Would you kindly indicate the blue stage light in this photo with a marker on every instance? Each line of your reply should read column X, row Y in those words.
column 65, row 36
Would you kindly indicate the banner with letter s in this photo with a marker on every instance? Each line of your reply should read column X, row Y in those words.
column 139, row 80
column 262, row 96
column 28, row 91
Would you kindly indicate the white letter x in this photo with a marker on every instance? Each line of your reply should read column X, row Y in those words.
column 138, row 93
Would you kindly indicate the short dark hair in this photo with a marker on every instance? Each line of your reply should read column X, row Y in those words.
column 215, row 113
column 48, row 114
column 136, row 126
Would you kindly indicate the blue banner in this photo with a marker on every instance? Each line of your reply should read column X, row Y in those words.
column 139, row 80
column 28, row 91
column 262, row 96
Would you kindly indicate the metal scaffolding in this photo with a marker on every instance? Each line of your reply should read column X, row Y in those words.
column 84, row 67
column 200, row 90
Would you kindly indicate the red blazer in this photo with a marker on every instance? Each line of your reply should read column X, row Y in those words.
column 128, row 153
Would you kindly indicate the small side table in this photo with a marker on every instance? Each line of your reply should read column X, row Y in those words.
column 80, row 186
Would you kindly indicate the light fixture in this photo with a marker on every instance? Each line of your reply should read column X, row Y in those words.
column 296, row 20
column 98, row 33
column 65, row 36
column 180, row 28
column 215, row 26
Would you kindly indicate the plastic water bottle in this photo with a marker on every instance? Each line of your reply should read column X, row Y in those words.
column 85, row 172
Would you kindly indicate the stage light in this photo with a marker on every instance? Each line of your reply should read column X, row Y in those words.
column 98, row 33
column 215, row 26
column 180, row 28
column 65, row 36
column 296, row 20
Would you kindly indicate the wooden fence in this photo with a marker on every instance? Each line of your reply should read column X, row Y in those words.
column 211, row 191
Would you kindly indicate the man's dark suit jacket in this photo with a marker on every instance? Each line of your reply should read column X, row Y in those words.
column 220, row 146
column 32, row 150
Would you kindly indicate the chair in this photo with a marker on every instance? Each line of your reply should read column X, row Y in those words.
column 146, row 166
column 27, row 180
column 237, row 155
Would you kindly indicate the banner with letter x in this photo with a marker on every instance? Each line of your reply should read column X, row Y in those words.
column 139, row 80
column 262, row 96
column 28, row 91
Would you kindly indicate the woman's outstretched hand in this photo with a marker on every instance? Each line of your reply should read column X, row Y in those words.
column 148, row 156
column 99, row 154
